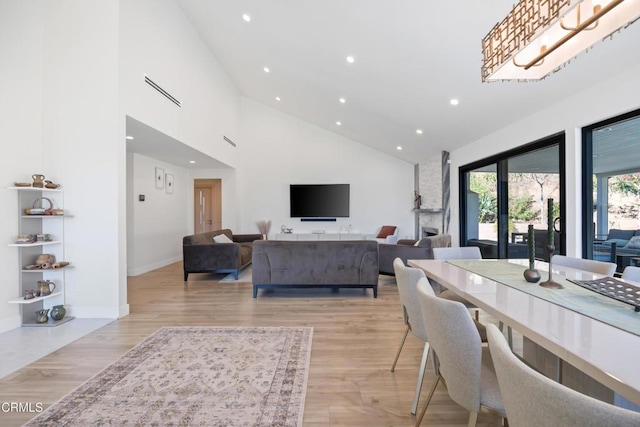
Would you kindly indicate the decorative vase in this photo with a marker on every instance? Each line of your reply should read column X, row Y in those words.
column 550, row 283
column 42, row 316
column 531, row 275
column 58, row 312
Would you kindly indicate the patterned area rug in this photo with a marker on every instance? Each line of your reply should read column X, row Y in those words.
column 196, row 376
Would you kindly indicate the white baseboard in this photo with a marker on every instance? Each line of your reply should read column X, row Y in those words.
column 150, row 267
column 124, row 311
column 93, row 312
column 10, row 323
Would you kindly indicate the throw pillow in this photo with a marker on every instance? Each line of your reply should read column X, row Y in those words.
column 221, row 238
column 386, row 230
column 619, row 242
column 634, row 243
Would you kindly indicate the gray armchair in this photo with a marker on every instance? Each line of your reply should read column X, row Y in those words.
column 406, row 249
column 202, row 255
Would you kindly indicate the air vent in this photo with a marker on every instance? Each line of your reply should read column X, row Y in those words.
column 229, row 141
column 162, row 91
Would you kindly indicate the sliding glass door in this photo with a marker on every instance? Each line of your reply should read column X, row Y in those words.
column 611, row 182
column 502, row 195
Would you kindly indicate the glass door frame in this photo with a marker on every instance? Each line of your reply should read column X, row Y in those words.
column 587, row 179
column 501, row 161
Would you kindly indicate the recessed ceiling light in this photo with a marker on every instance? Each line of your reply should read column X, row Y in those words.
column 277, row 98
column 342, row 100
column 454, row 102
column 339, row 123
column 266, row 69
column 246, row 17
column 351, row 59
column 419, row 131
column 399, row 148
column 129, row 137
column 192, row 161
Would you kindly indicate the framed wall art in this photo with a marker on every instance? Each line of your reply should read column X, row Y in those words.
column 168, row 184
column 159, row 178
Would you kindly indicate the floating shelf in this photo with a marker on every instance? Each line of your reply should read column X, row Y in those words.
column 49, row 323
column 46, row 270
column 53, row 190
column 33, row 300
column 46, row 216
column 26, row 245
column 433, row 210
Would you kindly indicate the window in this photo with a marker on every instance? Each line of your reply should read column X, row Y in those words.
column 611, row 185
column 503, row 194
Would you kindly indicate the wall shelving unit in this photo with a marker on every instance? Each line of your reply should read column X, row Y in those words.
column 28, row 252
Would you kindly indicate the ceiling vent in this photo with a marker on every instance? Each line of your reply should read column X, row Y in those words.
column 162, row 91
column 229, row 141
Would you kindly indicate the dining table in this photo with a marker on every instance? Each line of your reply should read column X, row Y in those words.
column 597, row 335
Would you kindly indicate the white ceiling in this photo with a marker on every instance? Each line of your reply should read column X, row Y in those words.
column 411, row 58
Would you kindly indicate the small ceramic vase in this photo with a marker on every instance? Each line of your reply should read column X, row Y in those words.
column 58, row 312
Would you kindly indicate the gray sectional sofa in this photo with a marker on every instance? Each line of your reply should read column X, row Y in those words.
column 202, row 255
column 301, row 264
column 410, row 249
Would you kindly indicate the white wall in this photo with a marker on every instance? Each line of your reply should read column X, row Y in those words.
column 160, row 221
column 599, row 102
column 277, row 149
column 21, row 41
column 157, row 40
column 83, row 148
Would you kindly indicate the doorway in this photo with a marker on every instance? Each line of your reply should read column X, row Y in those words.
column 207, row 209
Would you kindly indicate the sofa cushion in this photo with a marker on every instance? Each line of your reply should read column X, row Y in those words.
column 634, row 243
column 222, row 238
column 386, row 230
column 619, row 242
column 615, row 233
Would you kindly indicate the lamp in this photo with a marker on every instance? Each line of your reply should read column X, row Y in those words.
column 539, row 37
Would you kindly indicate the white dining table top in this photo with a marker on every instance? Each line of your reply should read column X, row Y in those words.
column 608, row 354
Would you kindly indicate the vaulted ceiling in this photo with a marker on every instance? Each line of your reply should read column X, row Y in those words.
column 411, row 57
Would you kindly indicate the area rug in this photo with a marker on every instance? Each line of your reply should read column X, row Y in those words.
column 196, row 376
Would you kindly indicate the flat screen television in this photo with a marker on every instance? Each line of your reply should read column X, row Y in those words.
column 319, row 200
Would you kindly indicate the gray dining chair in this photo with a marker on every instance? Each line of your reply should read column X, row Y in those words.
column 463, row 363
column 533, row 400
column 464, row 252
column 407, row 279
column 631, row 273
column 592, row 266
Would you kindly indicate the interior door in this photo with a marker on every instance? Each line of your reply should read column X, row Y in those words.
column 207, row 205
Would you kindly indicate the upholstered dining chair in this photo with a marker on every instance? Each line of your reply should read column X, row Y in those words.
column 598, row 267
column 532, row 400
column 462, row 361
column 464, row 252
column 631, row 273
column 407, row 280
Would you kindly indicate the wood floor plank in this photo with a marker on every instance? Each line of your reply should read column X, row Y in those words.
column 354, row 341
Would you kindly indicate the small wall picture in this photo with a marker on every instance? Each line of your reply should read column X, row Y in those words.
column 168, row 183
column 159, row 178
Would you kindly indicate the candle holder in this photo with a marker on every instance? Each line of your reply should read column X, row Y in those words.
column 550, row 283
column 531, row 275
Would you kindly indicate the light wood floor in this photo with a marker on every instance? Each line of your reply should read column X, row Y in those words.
column 355, row 339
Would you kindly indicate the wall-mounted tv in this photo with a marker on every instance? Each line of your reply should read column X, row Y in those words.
column 319, row 200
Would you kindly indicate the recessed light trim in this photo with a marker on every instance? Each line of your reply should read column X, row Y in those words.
column 192, row 161
column 342, row 100
column 246, row 17
column 266, row 69
column 351, row 59
column 454, row 101
column 419, row 131
column 339, row 123
column 129, row 137
column 277, row 98
column 399, row 148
